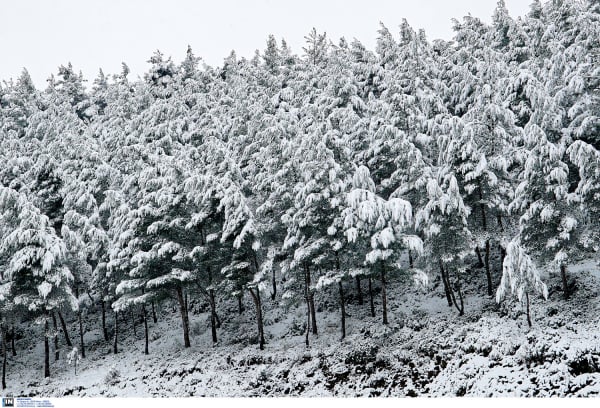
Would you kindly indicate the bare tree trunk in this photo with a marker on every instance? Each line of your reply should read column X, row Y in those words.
column 259, row 318
column 410, row 259
column 383, row 294
column 528, row 314
column 488, row 273
column 115, row 347
column 565, row 284
column 460, row 307
column 213, row 315
column 311, row 300
column 306, row 297
column 4, row 354
column 82, row 345
column 64, row 329
column 343, row 309
column 274, row 284
column 213, row 307
column 371, row 297
column 46, row 350
column 184, row 317
column 133, row 322
column 154, row 313
column 479, row 257
column 12, row 342
column 145, row 329
column 104, row 329
column 56, row 349
column 342, row 300
column 446, row 284
column 359, row 290
column 240, row 303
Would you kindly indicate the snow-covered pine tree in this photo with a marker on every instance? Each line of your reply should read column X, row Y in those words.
column 36, row 281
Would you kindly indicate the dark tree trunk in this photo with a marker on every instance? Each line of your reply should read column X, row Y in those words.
column 343, row 309
column 274, row 284
column 410, row 259
column 184, row 318
column 12, row 342
column 217, row 318
column 240, row 303
column 145, row 329
column 528, row 314
column 213, row 315
column 311, row 300
column 154, row 319
column 259, row 318
column 115, row 348
column 342, row 300
column 213, row 308
column 359, row 291
column 104, row 329
column 4, row 354
column 64, row 329
column 46, row 350
column 488, row 273
column 306, row 297
column 480, row 263
column 447, row 290
column 565, row 284
column 371, row 297
column 80, row 324
column 56, row 349
column 460, row 304
column 133, row 322
column 383, row 294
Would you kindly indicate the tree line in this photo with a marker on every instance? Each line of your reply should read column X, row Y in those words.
column 283, row 176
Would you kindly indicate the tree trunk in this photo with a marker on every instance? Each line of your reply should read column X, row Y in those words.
column 12, row 342
column 565, row 284
column 528, row 314
column 133, row 322
column 460, row 307
column 46, row 350
column 274, row 284
column 154, row 319
column 81, row 335
column 371, row 297
column 446, row 284
column 343, row 309
column 187, row 304
column 115, row 348
column 359, row 290
column 410, row 259
column 4, row 354
column 259, row 318
column 311, row 300
column 488, row 273
column 184, row 318
column 306, row 297
column 213, row 315
column 479, row 257
column 240, row 303
column 56, row 350
column 64, row 329
column 145, row 329
column 383, row 294
column 104, row 329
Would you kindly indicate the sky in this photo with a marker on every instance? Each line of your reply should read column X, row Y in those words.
column 41, row 35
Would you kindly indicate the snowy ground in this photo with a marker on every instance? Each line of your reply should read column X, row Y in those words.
column 426, row 350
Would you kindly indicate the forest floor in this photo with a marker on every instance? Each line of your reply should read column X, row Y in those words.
column 426, row 350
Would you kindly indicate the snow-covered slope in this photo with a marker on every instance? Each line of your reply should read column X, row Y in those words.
column 426, row 350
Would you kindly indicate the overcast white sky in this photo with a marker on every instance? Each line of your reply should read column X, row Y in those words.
column 42, row 34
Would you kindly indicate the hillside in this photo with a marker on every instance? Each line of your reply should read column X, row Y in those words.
column 425, row 351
